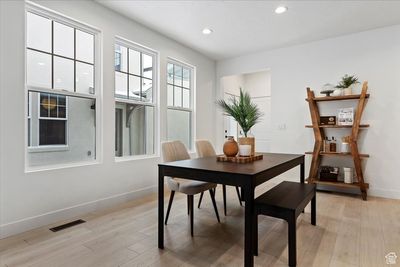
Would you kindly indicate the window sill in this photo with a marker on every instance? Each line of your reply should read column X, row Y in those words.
column 42, row 168
column 138, row 157
column 38, row 149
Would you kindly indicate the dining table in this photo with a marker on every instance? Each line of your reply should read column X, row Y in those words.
column 245, row 175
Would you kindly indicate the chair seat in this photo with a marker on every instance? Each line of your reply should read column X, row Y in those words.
column 287, row 195
column 189, row 187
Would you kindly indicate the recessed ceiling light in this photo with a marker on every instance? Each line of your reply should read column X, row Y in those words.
column 281, row 9
column 207, row 31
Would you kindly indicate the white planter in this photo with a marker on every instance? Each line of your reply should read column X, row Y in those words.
column 348, row 90
column 245, row 150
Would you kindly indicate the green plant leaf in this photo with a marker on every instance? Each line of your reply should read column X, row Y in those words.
column 245, row 113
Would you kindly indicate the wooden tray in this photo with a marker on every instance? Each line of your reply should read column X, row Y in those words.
column 239, row 159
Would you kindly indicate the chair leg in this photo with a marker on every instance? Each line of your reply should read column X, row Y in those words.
column 171, row 198
column 201, row 198
column 214, row 204
column 255, row 237
column 292, row 240
column 224, row 197
column 314, row 210
column 239, row 196
column 191, row 211
column 188, row 205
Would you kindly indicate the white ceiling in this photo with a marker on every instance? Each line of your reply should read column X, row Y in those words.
column 242, row 27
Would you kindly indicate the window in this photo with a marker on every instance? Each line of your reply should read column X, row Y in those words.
column 134, row 99
column 60, row 78
column 180, row 102
column 52, row 119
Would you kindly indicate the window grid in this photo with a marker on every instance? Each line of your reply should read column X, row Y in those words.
column 74, row 59
column 141, row 76
column 182, row 87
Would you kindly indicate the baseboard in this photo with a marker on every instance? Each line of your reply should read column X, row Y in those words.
column 33, row 222
column 378, row 192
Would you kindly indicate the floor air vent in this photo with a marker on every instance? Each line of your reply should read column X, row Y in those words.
column 66, row 225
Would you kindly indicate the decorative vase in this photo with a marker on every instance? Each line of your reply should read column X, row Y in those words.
column 230, row 147
column 337, row 92
column 248, row 141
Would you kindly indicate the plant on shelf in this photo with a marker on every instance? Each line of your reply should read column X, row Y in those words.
column 347, row 83
column 246, row 114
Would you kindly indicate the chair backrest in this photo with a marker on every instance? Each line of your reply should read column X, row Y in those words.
column 174, row 150
column 205, row 149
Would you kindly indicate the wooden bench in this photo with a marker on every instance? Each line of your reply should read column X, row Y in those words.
column 286, row 201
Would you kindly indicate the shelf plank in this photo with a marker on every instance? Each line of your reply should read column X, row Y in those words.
column 338, row 126
column 339, row 184
column 337, row 98
column 340, row 154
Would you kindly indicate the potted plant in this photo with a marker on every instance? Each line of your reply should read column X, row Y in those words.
column 246, row 114
column 347, row 83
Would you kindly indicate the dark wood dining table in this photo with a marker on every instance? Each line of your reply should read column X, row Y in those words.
column 245, row 175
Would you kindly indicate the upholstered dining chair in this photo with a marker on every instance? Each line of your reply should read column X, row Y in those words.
column 176, row 150
column 205, row 149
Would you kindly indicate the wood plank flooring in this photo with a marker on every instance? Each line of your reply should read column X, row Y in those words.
column 349, row 232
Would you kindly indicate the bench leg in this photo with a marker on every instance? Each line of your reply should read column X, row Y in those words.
column 255, row 238
column 314, row 210
column 292, row 240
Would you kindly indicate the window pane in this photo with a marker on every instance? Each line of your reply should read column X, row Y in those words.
column 178, row 75
column 147, row 65
column 186, row 78
column 170, row 95
column 84, row 78
column 134, row 62
column 44, row 105
column 38, row 32
column 121, row 58
column 63, row 74
column 134, row 129
column 134, row 87
column 52, row 132
column 121, row 85
column 147, row 90
column 78, row 133
column 186, row 98
column 63, row 40
column 53, row 106
column 170, row 73
column 84, row 46
column 38, row 68
column 177, row 96
column 179, row 126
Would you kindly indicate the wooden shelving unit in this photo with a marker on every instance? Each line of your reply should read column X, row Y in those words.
column 361, row 126
column 319, row 135
column 337, row 154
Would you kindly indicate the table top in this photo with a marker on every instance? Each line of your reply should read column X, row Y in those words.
column 269, row 161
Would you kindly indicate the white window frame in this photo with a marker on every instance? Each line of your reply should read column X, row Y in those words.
column 43, row 148
column 192, row 108
column 156, row 96
column 97, row 96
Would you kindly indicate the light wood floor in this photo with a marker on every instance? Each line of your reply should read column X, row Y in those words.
column 350, row 232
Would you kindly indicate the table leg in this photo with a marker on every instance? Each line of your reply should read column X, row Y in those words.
column 160, row 208
column 302, row 173
column 248, row 226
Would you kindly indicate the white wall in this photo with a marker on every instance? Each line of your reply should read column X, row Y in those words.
column 37, row 198
column 373, row 56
